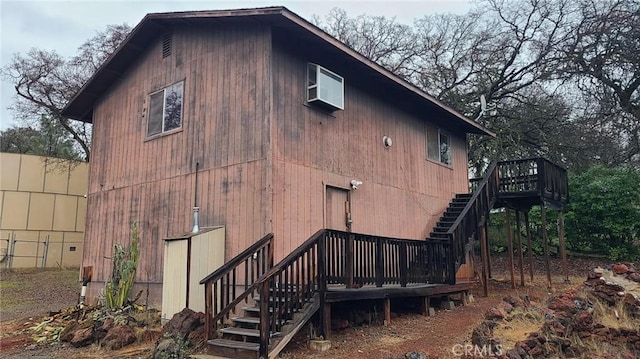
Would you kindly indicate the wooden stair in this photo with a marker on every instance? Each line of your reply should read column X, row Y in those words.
column 449, row 216
column 241, row 338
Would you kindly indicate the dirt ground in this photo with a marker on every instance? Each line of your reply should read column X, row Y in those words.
column 26, row 296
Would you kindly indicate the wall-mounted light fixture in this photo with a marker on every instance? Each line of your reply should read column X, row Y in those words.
column 386, row 141
column 355, row 184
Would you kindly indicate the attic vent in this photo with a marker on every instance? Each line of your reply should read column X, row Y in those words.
column 166, row 45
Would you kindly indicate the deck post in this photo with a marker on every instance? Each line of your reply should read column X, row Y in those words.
column 379, row 263
column 325, row 318
column 507, row 214
column 529, row 245
column 488, row 247
column 348, row 262
column 485, row 264
column 387, row 311
column 403, row 264
column 521, row 258
column 208, row 303
column 545, row 243
column 265, row 325
column 563, row 249
column 426, row 306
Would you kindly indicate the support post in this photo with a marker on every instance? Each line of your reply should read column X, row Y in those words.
column 529, row 245
column 563, row 249
column 486, row 238
column 520, row 258
column 510, row 246
column 545, row 244
column 326, row 319
column 426, row 307
column 387, row 311
column 485, row 259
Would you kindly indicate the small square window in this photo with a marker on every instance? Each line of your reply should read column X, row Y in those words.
column 324, row 88
column 438, row 146
column 165, row 109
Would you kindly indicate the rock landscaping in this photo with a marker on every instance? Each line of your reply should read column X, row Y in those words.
column 600, row 319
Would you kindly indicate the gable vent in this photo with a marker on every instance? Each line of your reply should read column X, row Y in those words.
column 166, row 45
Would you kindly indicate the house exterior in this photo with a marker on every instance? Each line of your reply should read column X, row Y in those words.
column 268, row 125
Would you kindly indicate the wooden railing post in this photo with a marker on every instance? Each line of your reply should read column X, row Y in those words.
column 208, row 303
column 325, row 325
column 541, row 176
column 265, row 324
column 348, row 261
column 379, row 262
column 404, row 268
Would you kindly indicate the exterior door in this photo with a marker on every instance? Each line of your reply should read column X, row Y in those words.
column 338, row 209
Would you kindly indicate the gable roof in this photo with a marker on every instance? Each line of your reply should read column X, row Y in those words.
column 152, row 25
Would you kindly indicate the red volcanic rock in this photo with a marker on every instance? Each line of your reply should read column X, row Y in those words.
column 620, row 268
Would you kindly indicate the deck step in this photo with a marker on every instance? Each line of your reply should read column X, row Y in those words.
column 234, row 344
column 246, row 320
column 241, row 331
column 460, row 200
column 458, row 203
column 464, row 195
column 433, row 235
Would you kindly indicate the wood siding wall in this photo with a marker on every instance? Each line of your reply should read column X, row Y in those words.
column 264, row 156
column 225, row 129
column 403, row 193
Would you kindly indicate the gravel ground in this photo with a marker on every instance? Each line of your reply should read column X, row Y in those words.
column 32, row 291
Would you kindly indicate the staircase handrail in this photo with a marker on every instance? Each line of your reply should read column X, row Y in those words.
column 489, row 174
column 312, row 280
column 239, row 259
column 474, row 215
column 261, row 251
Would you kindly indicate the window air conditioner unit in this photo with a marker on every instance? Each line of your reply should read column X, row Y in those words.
column 325, row 88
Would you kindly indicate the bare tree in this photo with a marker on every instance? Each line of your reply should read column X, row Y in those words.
column 45, row 81
column 382, row 40
column 603, row 58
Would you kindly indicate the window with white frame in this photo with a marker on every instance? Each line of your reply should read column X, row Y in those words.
column 165, row 109
column 324, row 88
column 438, row 145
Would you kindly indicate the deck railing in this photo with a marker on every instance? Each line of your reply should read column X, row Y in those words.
column 329, row 257
column 235, row 281
column 530, row 177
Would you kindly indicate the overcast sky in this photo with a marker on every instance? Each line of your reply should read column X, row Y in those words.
column 64, row 25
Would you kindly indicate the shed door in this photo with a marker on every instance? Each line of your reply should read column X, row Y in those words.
column 338, row 208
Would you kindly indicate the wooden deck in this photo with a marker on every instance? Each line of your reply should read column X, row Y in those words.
column 340, row 293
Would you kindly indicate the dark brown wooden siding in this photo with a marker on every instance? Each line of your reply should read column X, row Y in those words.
column 403, row 193
column 225, row 129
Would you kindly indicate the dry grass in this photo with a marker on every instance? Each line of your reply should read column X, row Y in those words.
column 519, row 327
column 597, row 348
column 614, row 316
